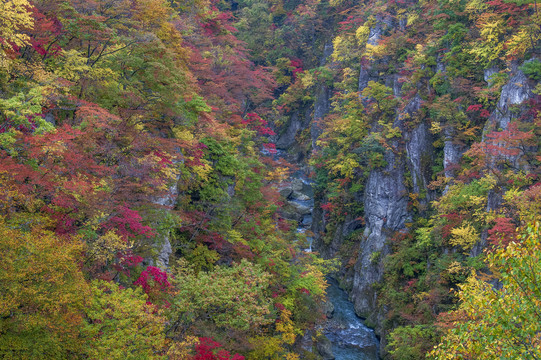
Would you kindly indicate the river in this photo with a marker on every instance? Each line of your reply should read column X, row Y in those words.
column 350, row 338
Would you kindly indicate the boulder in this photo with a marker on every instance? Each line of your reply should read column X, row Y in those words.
column 290, row 212
column 286, row 192
column 328, row 308
column 300, row 196
column 297, row 185
column 299, row 208
column 307, row 220
column 324, row 347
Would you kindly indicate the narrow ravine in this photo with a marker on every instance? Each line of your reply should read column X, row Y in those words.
column 349, row 337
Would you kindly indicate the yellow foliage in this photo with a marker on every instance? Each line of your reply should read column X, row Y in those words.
column 349, row 74
column 521, row 42
column 278, row 174
column 373, row 51
column 342, row 48
column 203, row 170
column 265, row 348
column 202, row 258
column 489, row 320
column 526, row 202
column 307, row 79
column 465, row 236
column 336, row 2
column 346, row 167
column 491, row 46
column 167, row 172
column 286, row 328
column 490, row 180
column 107, row 246
column 419, row 297
column 42, row 292
column 491, row 30
column 182, row 350
column 57, row 148
column 233, row 236
column 14, row 17
column 455, row 268
column 11, row 198
column 389, row 131
column 183, row 134
column 474, row 6
column 75, row 66
column 291, row 356
column 314, row 271
column 362, row 34
column 276, row 347
column 152, row 13
column 122, row 323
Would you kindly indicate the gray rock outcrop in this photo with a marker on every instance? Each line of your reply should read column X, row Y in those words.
column 324, row 348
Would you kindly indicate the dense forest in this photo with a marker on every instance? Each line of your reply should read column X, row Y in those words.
column 179, row 179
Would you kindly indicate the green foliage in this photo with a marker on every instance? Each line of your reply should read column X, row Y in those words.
column 375, row 257
column 202, row 258
column 121, row 324
column 230, row 297
column 412, row 342
column 466, row 198
column 21, row 113
column 149, row 102
column 532, row 69
column 20, row 107
column 440, row 83
column 382, row 95
column 223, row 156
column 146, row 128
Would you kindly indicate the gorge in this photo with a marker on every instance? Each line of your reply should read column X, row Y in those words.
column 270, row 179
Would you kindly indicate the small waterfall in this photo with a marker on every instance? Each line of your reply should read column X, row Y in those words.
column 305, row 199
column 299, row 203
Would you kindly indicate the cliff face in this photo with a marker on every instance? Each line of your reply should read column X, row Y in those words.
column 516, row 91
column 298, row 121
column 386, row 212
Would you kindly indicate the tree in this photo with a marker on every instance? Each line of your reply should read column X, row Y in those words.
column 121, row 324
column 500, row 322
column 208, row 349
column 42, row 292
column 14, row 17
column 230, row 297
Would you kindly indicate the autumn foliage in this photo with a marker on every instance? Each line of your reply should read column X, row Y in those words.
column 132, row 145
column 140, row 146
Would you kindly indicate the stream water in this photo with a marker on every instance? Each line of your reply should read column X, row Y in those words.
column 350, row 338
